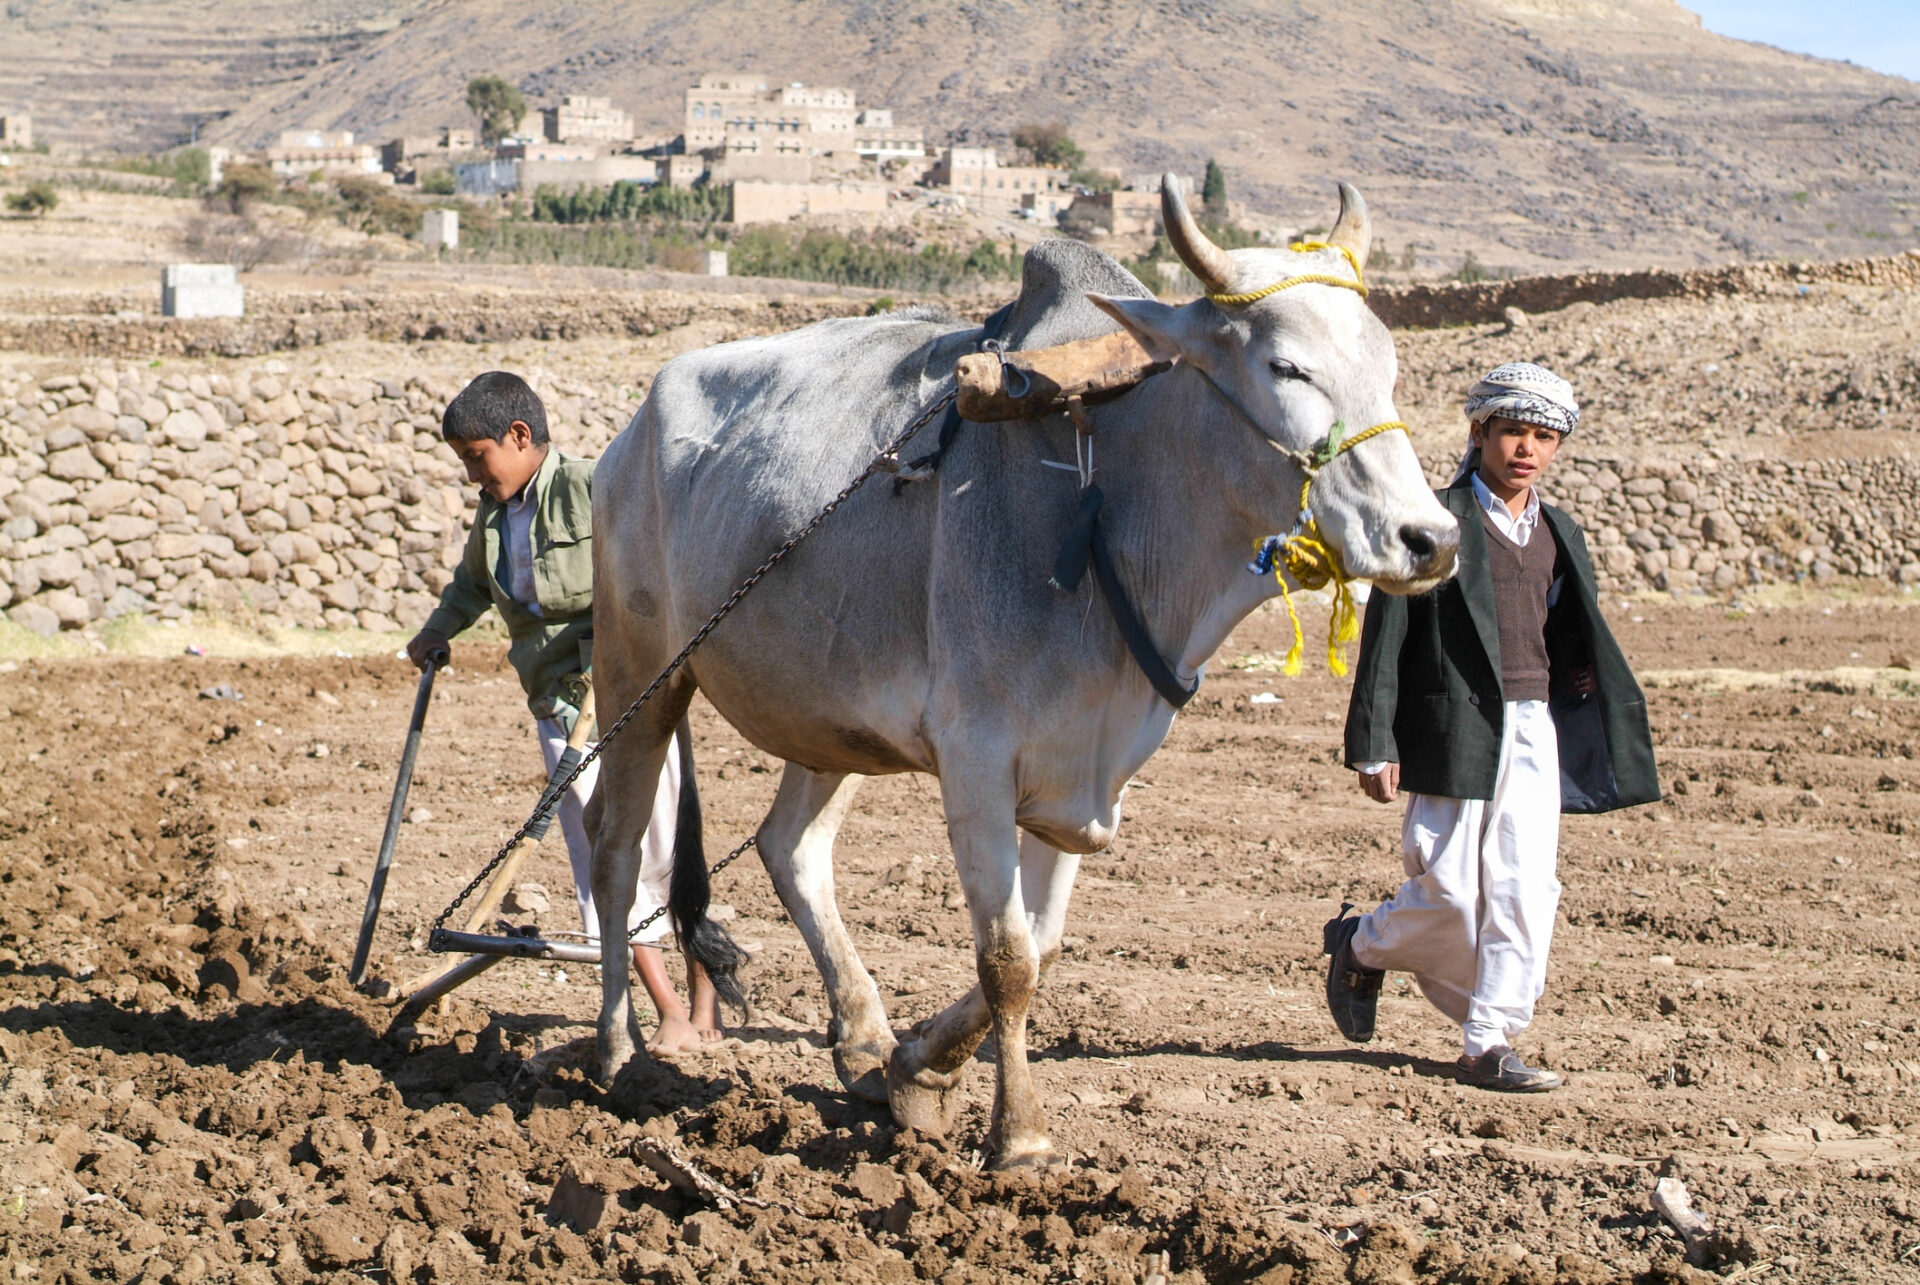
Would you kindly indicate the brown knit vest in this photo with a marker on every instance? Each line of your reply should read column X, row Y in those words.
column 1522, row 577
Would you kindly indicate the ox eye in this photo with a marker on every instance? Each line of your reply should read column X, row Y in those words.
column 1283, row 369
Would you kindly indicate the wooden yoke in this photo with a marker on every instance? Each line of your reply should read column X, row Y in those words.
column 1092, row 370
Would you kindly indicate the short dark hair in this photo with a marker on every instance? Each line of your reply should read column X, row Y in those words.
column 488, row 406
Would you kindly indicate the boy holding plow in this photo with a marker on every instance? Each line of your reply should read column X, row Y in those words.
column 530, row 557
column 1496, row 701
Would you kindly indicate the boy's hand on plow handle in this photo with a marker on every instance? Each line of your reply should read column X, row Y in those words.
column 428, row 645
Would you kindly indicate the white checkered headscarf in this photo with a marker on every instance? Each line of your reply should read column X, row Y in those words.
column 1518, row 390
column 1526, row 392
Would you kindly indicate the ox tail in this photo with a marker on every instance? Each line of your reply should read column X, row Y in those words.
column 705, row 942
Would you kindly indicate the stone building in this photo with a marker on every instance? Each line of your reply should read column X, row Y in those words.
column 579, row 119
column 679, row 171
column 16, row 131
column 976, row 175
column 332, row 152
column 403, row 155
column 739, row 113
column 1122, row 213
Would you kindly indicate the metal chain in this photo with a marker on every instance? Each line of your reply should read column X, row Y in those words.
column 751, row 841
column 554, row 791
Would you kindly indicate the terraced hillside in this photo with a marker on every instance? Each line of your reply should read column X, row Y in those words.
column 1535, row 133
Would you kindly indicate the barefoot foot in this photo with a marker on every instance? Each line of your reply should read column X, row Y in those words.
column 676, row 1035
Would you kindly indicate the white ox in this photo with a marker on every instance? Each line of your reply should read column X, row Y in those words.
column 917, row 631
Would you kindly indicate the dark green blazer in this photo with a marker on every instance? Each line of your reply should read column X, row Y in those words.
column 1426, row 690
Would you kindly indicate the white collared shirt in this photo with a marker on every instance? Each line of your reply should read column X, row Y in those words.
column 1520, row 529
column 519, row 548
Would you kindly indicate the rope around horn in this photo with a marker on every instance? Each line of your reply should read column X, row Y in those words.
column 1358, row 284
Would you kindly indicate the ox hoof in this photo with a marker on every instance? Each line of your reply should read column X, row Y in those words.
column 923, row 1100
column 862, row 1068
column 615, row 1054
column 1032, row 1156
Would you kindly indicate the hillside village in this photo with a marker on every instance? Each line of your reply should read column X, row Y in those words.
column 767, row 152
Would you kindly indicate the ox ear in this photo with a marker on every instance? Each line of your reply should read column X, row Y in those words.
column 1160, row 328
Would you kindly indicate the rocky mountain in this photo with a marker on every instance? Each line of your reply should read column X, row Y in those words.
column 1537, row 134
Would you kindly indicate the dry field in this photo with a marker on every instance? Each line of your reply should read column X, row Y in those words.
column 192, row 1091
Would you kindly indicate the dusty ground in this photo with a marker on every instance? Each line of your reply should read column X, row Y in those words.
column 192, row 1092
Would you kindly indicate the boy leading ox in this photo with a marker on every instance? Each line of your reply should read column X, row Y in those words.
column 1497, row 701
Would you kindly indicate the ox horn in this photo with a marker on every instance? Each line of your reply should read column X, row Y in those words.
column 1203, row 258
column 1353, row 230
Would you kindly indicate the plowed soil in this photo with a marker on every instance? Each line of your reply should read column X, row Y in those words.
column 190, row 1091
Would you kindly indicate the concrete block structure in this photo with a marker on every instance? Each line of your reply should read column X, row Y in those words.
column 580, row 119
column 201, row 290
column 440, row 228
column 16, row 131
column 716, row 263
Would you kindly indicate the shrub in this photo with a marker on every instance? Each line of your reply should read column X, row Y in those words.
column 189, row 167
column 241, row 185
column 437, row 183
column 1049, row 145
column 36, row 200
column 372, row 206
column 808, row 255
column 627, row 201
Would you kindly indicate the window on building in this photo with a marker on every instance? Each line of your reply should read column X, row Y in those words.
column 699, row 111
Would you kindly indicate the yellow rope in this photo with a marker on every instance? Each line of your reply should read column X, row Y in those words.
column 1358, row 283
column 1304, row 555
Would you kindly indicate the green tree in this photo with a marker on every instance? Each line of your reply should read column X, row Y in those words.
column 1050, row 145
column 438, row 183
column 36, row 200
column 1213, row 190
column 497, row 104
column 241, row 185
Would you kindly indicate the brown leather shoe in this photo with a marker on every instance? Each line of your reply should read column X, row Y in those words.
column 1502, row 1071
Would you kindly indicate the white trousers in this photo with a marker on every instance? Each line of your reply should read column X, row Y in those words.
column 656, row 850
column 1474, row 920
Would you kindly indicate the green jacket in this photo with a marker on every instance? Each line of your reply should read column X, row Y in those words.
column 550, row 649
column 1426, row 689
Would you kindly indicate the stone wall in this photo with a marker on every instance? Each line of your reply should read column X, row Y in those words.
column 1718, row 525
column 333, row 501
column 1454, row 303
